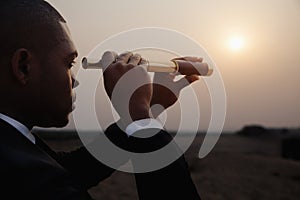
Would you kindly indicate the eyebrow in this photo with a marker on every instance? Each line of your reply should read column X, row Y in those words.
column 72, row 55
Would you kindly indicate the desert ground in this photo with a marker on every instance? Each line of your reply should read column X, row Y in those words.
column 239, row 167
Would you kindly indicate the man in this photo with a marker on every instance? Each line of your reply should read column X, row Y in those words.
column 36, row 57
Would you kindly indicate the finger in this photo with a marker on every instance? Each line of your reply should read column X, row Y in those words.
column 192, row 78
column 143, row 62
column 107, row 58
column 192, row 68
column 124, row 57
column 135, row 59
column 189, row 58
column 185, row 81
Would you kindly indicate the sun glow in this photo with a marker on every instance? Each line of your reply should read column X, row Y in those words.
column 236, row 43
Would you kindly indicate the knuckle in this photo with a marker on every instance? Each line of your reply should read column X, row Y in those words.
column 126, row 53
column 136, row 56
column 130, row 66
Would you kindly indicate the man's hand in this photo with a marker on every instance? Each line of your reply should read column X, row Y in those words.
column 129, row 87
column 166, row 91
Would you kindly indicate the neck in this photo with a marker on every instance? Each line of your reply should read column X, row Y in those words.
column 17, row 116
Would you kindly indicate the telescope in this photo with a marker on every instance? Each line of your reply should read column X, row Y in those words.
column 181, row 67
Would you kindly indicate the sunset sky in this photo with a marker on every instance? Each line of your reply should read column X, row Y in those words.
column 255, row 45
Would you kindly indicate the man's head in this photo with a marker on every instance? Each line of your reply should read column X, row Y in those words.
column 36, row 55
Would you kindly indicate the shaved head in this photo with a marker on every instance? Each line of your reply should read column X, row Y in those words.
column 36, row 57
column 29, row 24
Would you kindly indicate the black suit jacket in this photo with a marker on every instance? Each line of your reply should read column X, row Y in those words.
column 29, row 171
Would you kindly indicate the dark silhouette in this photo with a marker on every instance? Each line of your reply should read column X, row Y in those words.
column 36, row 57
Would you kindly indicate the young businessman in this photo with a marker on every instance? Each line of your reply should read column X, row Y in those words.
column 36, row 57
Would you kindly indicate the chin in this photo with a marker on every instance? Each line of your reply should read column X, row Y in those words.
column 55, row 123
column 61, row 124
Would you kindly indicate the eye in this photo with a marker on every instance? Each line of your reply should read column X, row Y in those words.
column 71, row 64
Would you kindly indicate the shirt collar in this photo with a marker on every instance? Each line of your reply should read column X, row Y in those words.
column 19, row 126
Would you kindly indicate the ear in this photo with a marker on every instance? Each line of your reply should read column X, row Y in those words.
column 20, row 63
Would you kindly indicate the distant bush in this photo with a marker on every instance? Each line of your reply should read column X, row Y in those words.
column 253, row 130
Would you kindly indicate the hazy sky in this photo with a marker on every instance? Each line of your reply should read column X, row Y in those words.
column 261, row 77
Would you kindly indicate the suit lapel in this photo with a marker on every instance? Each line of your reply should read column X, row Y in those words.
column 13, row 141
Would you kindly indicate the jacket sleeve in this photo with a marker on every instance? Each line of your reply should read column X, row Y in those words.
column 171, row 182
column 85, row 167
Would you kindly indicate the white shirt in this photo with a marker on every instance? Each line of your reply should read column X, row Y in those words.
column 142, row 124
column 19, row 126
column 131, row 128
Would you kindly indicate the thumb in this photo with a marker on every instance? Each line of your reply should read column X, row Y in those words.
column 107, row 58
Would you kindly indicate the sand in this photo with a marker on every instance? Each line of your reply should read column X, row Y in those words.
column 239, row 167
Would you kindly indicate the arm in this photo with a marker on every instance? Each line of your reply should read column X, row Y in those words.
column 87, row 170
column 166, row 91
column 85, row 167
column 173, row 181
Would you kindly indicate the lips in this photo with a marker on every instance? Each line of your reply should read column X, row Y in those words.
column 73, row 100
column 73, row 97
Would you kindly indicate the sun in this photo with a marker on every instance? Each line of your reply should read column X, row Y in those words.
column 236, row 43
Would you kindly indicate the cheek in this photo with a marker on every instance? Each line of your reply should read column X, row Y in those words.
column 59, row 88
column 65, row 86
column 63, row 82
column 69, row 81
column 59, row 101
